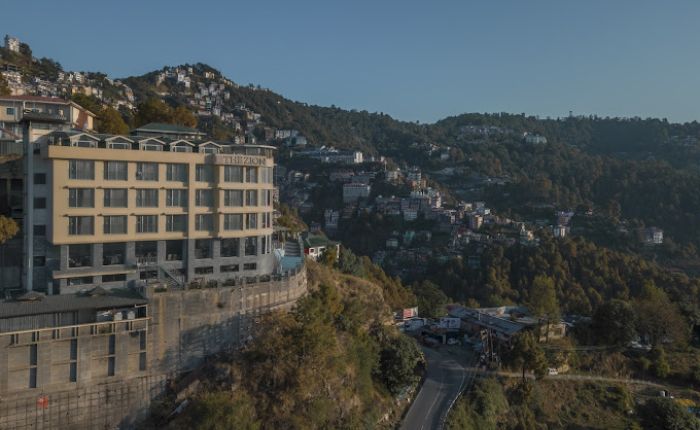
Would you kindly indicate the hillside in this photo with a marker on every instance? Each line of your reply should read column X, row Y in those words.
column 332, row 362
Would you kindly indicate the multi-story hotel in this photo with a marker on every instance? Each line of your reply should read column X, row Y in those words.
column 116, row 210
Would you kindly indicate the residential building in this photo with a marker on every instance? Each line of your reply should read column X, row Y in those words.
column 14, row 108
column 315, row 244
column 535, row 139
column 11, row 43
column 116, row 210
column 560, row 230
column 352, row 192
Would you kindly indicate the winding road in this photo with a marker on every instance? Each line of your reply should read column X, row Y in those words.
column 445, row 378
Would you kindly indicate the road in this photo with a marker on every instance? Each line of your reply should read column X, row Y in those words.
column 445, row 377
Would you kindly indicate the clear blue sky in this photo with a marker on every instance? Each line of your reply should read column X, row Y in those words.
column 416, row 60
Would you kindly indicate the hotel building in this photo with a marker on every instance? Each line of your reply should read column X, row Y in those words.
column 117, row 211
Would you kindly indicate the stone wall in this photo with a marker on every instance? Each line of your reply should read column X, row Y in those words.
column 183, row 327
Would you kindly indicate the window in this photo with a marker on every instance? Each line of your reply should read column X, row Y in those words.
column 118, row 145
column 266, row 175
column 173, row 250
column 233, row 198
column 86, row 144
column 266, row 197
column 81, row 197
column 151, row 147
column 110, row 366
column 228, row 268
column 181, row 148
column 251, row 221
column 40, row 179
column 119, row 277
column 147, row 171
column 202, row 248
column 204, row 222
column 204, row 198
column 81, row 169
column 204, row 270
column 205, row 173
column 233, row 174
column 40, row 203
column 115, row 224
column 39, row 261
column 39, row 230
column 82, row 280
column 176, row 172
column 233, row 222
column 230, row 247
column 10, row 111
column 113, row 253
column 209, row 149
column 80, row 255
column 78, row 225
column 147, row 223
column 115, row 197
column 142, row 361
column 176, row 223
column 266, row 220
column 250, row 266
column 116, row 170
column 251, row 197
column 148, row 274
column 176, row 198
column 251, row 175
column 146, row 251
column 251, row 246
column 147, row 198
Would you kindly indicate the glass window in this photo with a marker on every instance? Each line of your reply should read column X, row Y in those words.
column 266, row 219
column 205, row 173
column 40, row 203
column 251, row 197
column 80, row 255
column 204, row 222
column 81, row 198
column 227, row 268
column 266, row 175
column 10, row 111
column 233, row 222
column 233, row 198
column 181, row 147
column 251, row 221
column 116, row 170
column 233, row 174
column 83, row 280
column 250, row 266
column 176, row 198
column 251, row 175
column 176, row 172
column 251, row 246
column 147, row 198
column 205, row 198
column 147, row 223
column 209, row 149
column 119, row 277
column 40, row 179
column 146, row 251
column 118, row 145
column 176, row 223
column 79, row 225
column 151, row 147
column 40, row 230
column 230, row 247
column 115, row 197
column 147, row 171
column 202, row 248
column 81, row 169
column 115, row 224
column 173, row 250
column 113, row 253
column 203, row 270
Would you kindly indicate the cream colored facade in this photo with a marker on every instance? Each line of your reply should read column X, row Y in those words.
column 219, row 240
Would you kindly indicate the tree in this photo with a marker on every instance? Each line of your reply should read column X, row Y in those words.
column 110, row 121
column 658, row 318
column 614, row 323
column 527, row 354
column 397, row 363
column 220, row 411
column 329, row 256
column 183, row 116
column 8, row 229
column 659, row 363
column 431, row 299
column 152, row 110
column 4, row 87
column 543, row 301
column 665, row 414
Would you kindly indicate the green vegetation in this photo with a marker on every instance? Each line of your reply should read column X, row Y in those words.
column 156, row 110
column 665, row 414
column 331, row 362
column 8, row 229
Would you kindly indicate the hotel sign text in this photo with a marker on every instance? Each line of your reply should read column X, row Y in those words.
column 241, row 160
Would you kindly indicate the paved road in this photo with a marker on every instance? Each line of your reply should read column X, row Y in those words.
column 445, row 377
column 567, row 376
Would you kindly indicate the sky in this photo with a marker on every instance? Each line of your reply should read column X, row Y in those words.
column 415, row 60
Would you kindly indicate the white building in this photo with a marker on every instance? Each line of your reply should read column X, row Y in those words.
column 11, row 43
column 352, row 192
